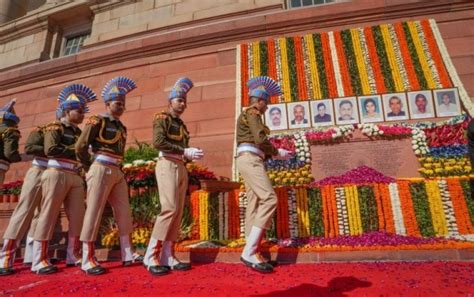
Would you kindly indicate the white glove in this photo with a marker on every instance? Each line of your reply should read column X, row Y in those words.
column 283, row 155
column 193, row 153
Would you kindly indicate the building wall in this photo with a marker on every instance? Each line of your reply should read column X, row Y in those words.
column 206, row 53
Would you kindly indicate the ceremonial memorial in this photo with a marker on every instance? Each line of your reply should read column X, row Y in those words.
column 268, row 133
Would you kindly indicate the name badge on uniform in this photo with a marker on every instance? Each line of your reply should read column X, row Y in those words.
column 69, row 136
column 110, row 129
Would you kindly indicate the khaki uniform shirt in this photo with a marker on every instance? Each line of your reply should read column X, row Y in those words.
column 170, row 134
column 105, row 134
column 59, row 140
column 250, row 129
column 35, row 142
column 9, row 137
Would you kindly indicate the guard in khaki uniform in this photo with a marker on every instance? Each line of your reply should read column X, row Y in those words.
column 105, row 180
column 61, row 181
column 253, row 148
column 27, row 209
column 9, row 136
column 171, row 138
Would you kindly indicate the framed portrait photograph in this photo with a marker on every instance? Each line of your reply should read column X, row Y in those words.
column 421, row 104
column 322, row 112
column 299, row 115
column 276, row 117
column 395, row 106
column 346, row 110
column 447, row 102
column 370, row 109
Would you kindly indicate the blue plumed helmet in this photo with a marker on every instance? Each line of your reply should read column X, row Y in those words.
column 75, row 96
column 7, row 113
column 117, row 86
column 263, row 87
column 181, row 88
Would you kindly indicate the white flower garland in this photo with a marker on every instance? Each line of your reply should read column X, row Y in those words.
column 250, row 59
column 307, row 69
column 370, row 130
column 303, row 151
column 238, row 107
column 342, row 214
column 292, row 214
column 335, row 60
column 448, row 208
column 367, row 61
column 397, row 209
column 399, row 57
column 466, row 100
column 429, row 58
column 419, row 144
column 242, row 209
column 278, row 67
column 343, row 131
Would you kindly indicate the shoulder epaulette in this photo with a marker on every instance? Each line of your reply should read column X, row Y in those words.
column 161, row 115
column 252, row 111
column 12, row 130
column 53, row 126
column 93, row 120
column 39, row 128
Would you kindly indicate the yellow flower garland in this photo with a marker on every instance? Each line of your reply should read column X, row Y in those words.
column 421, row 54
column 355, row 196
column 397, row 79
column 284, row 69
column 436, row 208
column 256, row 58
column 313, row 67
column 203, row 215
column 364, row 79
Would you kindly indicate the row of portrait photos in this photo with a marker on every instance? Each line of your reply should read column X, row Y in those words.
column 364, row 109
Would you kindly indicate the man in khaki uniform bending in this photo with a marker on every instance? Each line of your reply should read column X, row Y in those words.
column 61, row 181
column 171, row 138
column 105, row 179
column 9, row 137
column 253, row 148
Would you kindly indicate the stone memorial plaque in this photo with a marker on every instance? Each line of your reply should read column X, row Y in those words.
column 393, row 158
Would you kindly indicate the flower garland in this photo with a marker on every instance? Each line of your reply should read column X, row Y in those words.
column 242, row 210
column 448, row 208
column 436, row 208
column 429, row 59
column 337, row 71
column 342, row 212
column 397, row 209
column 204, row 215
column 292, row 213
column 399, row 57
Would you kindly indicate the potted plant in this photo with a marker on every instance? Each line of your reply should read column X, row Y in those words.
column 15, row 191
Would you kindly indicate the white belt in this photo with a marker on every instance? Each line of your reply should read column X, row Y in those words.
column 4, row 165
column 40, row 162
column 101, row 158
column 54, row 163
column 172, row 156
column 250, row 148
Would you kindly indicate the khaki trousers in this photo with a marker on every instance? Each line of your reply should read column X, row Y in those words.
column 172, row 178
column 106, row 183
column 261, row 198
column 30, row 199
column 60, row 187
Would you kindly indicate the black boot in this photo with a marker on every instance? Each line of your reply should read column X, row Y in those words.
column 47, row 270
column 98, row 270
column 158, row 270
column 6, row 271
column 262, row 267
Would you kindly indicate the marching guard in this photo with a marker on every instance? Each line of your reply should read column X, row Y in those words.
column 253, row 148
column 171, row 138
column 61, row 181
column 107, row 136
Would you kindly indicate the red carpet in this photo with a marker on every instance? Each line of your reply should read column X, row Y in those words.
column 220, row 279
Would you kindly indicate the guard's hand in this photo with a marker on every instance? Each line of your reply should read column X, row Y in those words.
column 283, row 154
column 193, row 153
